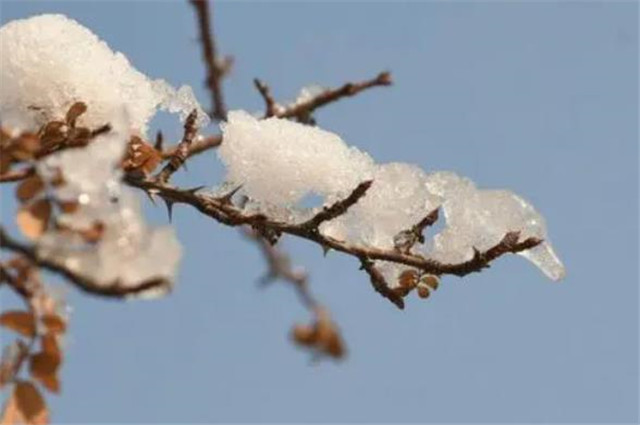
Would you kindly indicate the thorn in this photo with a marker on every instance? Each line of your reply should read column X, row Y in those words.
column 325, row 250
column 193, row 190
column 169, row 205
column 226, row 198
column 151, row 198
column 159, row 141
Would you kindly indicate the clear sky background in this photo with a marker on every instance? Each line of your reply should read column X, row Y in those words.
column 537, row 97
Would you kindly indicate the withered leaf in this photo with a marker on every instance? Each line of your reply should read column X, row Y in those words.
column 44, row 367
column 431, row 281
column 304, row 335
column 33, row 219
column 69, row 207
column 25, row 406
column 49, row 345
column 29, row 188
column 408, row 279
column 25, row 147
column 141, row 156
column 74, row 112
column 22, row 322
column 54, row 323
column 423, row 291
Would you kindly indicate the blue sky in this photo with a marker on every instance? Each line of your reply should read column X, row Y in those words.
column 537, row 97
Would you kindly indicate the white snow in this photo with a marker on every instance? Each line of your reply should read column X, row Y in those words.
column 49, row 62
column 278, row 162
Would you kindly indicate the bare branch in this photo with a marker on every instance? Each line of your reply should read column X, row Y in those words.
column 406, row 239
column 302, row 111
column 269, row 101
column 338, row 208
column 181, row 153
column 216, row 68
column 380, row 284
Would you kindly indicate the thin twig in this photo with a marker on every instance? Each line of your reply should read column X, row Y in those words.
column 181, row 153
column 338, row 208
column 303, row 110
column 380, row 284
column 216, row 68
column 269, row 101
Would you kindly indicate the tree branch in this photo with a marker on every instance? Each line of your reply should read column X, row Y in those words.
column 231, row 215
column 338, row 208
column 269, row 101
column 216, row 68
column 85, row 284
column 302, row 111
column 181, row 153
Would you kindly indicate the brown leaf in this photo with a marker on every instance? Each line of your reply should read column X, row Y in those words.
column 54, row 323
column 69, row 207
column 53, row 133
column 22, row 322
column 74, row 112
column 423, row 291
column 49, row 344
column 141, row 156
column 408, row 279
column 79, row 136
column 29, row 188
column 44, row 367
column 25, row 147
column 431, row 281
column 94, row 233
column 304, row 335
column 33, row 219
column 26, row 406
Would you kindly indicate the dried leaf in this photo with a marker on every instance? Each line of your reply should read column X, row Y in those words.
column 25, row 147
column 69, row 207
column 431, row 281
column 44, row 367
column 423, row 291
column 33, row 219
column 304, row 335
column 54, row 323
column 79, row 136
column 26, row 406
column 53, row 133
column 74, row 112
column 22, row 322
column 408, row 279
column 49, row 345
column 94, row 233
column 141, row 157
column 29, row 188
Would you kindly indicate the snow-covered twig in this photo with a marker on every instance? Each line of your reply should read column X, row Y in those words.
column 228, row 214
column 114, row 290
